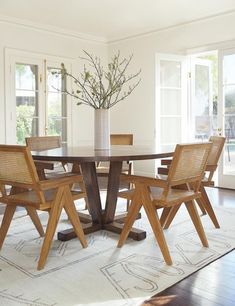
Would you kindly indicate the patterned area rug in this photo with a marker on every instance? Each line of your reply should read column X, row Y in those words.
column 102, row 274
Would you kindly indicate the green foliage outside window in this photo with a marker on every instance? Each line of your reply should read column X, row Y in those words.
column 25, row 122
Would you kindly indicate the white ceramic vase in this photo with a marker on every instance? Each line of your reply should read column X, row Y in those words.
column 102, row 129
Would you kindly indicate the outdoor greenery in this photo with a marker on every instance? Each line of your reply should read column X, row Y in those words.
column 25, row 123
column 102, row 88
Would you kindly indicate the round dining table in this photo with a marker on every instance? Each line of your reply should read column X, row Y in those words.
column 87, row 159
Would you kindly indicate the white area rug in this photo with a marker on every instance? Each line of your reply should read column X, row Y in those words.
column 103, row 274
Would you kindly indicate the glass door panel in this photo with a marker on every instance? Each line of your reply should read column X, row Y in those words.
column 201, row 105
column 227, row 118
column 35, row 102
column 171, row 110
column 56, row 109
column 26, row 95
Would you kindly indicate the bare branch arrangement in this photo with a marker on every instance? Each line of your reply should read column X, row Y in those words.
column 99, row 88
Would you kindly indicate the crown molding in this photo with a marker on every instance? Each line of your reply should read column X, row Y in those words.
column 51, row 29
column 154, row 31
column 99, row 39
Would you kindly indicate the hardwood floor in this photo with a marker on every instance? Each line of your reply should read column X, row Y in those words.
column 213, row 285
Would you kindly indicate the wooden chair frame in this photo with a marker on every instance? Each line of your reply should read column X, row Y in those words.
column 38, row 143
column 187, row 168
column 17, row 169
column 203, row 202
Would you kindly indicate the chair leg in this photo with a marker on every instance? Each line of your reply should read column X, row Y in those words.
column 133, row 211
column 201, row 206
column 128, row 201
column 192, row 210
column 155, row 224
column 171, row 216
column 76, row 169
column 73, row 217
column 208, row 207
column 6, row 221
column 32, row 212
column 127, row 204
column 54, row 216
column 164, row 215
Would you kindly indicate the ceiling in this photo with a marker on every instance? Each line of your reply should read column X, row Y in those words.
column 110, row 20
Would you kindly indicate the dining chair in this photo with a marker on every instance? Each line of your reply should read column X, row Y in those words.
column 207, row 181
column 102, row 168
column 38, row 143
column 187, row 168
column 17, row 170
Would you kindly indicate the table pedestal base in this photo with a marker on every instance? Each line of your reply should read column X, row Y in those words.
column 89, row 227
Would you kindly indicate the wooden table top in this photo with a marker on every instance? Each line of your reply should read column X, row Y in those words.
column 88, row 154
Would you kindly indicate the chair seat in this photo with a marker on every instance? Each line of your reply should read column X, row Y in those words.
column 31, row 198
column 174, row 197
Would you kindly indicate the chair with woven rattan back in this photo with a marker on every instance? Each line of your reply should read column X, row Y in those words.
column 117, row 139
column 17, row 170
column 203, row 202
column 39, row 143
column 187, row 167
column 52, row 142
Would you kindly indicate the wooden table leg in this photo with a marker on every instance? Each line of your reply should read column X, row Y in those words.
column 110, row 223
column 99, row 220
column 95, row 208
column 112, row 191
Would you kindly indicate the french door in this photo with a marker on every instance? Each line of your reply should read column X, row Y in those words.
column 202, row 122
column 171, row 101
column 35, row 102
column 226, row 117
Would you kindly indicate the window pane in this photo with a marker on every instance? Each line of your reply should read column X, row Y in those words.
column 26, row 93
column 55, row 82
column 201, row 105
column 26, row 76
column 56, row 104
column 170, row 74
column 203, row 127
column 229, row 72
column 26, row 122
column 171, row 135
column 229, row 98
column 170, row 101
column 58, row 126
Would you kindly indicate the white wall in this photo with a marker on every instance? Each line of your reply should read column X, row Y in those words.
column 33, row 40
column 136, row 114
column 138, row 111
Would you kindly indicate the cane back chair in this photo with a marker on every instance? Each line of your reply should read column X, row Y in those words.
column 187, row 167
column 17, row 170
column 207, row 181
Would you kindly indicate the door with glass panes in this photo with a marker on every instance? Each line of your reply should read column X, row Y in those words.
column 36, row 104
column 226, row 117
column 171, row 101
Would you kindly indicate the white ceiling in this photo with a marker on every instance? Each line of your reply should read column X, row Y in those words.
column 111, row 20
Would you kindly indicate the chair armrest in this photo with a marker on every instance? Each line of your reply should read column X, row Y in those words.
column 154, row 182
column 41, row 165
column 166, row 162
column 61, row 181
column 163, row 171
